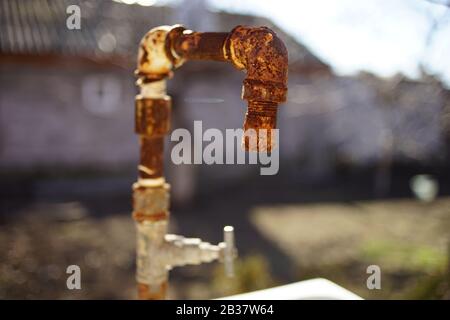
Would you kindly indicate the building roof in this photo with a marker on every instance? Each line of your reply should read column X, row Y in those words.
column 108, row 28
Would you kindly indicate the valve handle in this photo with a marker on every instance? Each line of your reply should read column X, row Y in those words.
column 229, row 250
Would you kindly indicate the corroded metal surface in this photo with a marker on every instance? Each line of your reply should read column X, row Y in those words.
column 263, row 56
column 262, row 118
column 146, row 292
column 200, row 45
column 152, row 62
column 150, row 203
column 150, row 265
column 151, row 160
column 158, row 252
column 152, row 116
column 258, row 51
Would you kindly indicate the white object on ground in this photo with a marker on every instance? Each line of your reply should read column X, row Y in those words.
column 425, row 187
column 315, row 289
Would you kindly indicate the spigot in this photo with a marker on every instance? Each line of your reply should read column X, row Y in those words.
column 229, row 251
column 158, row 252
column 180, row 251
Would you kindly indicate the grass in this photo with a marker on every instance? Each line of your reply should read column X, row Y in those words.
column 251, row 273
column 398, row 256
column 407, row 239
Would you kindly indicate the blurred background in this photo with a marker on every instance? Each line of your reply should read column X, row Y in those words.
column 364, row 148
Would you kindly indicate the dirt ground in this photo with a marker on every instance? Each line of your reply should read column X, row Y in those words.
column 280, row 241
column 403, row 237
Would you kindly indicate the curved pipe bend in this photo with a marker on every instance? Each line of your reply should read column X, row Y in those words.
column 258, row 50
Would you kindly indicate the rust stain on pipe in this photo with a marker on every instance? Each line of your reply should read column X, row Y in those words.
column 256, row 50
column 263, row 55
column 146, row 293
column 200, row 45
column 151, row 161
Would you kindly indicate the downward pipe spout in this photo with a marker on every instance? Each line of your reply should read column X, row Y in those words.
column 263, row 55
column 257, row 50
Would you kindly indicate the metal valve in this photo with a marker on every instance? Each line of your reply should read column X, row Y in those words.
column 228, row 250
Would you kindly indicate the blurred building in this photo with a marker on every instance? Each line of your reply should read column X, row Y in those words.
column 66, row 97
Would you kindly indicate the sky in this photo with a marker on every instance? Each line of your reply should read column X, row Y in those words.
column 384, row 37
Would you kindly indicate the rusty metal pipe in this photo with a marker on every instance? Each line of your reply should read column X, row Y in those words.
column 198, row 45
column 264, row 57
column 257, row 50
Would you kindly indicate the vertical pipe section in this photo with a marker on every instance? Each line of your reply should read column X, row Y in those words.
column 150, row 192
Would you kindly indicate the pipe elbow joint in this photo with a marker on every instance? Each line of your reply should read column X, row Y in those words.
column 264, row 56
column 153, row 63
column 258, row 50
